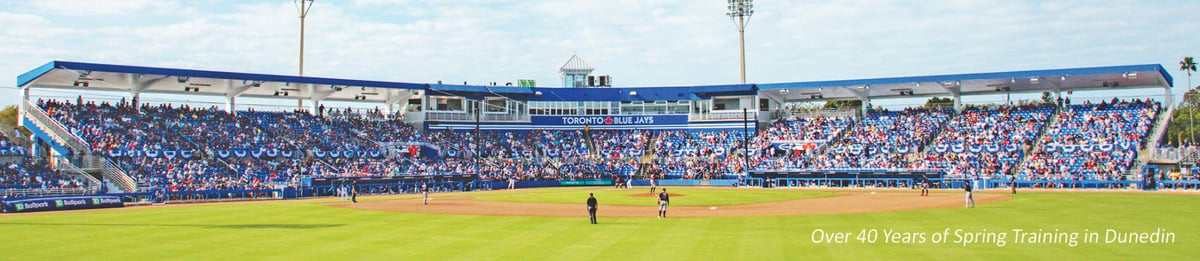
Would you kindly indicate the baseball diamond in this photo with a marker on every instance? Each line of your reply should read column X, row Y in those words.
column 1011, row 130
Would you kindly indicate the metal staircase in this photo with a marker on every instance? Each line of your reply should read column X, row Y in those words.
column 1037, row 141
column 1150, row 145
column 591, row 143
column 85, row 160
column 94, row 184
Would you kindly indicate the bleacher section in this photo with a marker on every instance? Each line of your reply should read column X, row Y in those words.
column 1092, row 141
column 883, row 140
column 985, row 142
column 179, row 148
column 789, row 143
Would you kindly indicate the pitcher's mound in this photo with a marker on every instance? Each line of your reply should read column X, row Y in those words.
column 648, row 195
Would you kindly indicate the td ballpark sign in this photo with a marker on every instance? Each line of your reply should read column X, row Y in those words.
column 590, row 120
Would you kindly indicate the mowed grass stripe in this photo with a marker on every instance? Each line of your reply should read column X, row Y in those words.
column 691, row 196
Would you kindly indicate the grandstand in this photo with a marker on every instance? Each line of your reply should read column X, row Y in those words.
column 464, row 137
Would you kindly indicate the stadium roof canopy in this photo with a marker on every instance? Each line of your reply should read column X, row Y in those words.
column 1052, row 80
column 138, row 79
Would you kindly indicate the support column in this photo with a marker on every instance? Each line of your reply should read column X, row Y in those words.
column 957, row 103
column 34, row 149
column 866, row 105
column 230, row 105
column 21, row 101
column 1169, row 97
column 391, row 109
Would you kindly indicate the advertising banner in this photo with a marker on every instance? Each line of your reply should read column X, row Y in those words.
column 585, row 183
column 609, row 120
column 62, row 203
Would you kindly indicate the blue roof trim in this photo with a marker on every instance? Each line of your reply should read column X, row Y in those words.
column 34, row 74
column 31, row 75
column 974, row 76
column 674, row 93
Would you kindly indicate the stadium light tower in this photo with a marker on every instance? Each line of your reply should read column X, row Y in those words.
column 303, row 6
column 740, row 11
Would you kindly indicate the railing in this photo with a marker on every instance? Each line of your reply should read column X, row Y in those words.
column 92, row 181
column 464, row 116
column 19, row 140
column 55, row 129
column 505, row 117
column 43, row 192
column 1172, row 154
column 448, row 116
column 823, row 114
column 118, row 177
column 726, row 115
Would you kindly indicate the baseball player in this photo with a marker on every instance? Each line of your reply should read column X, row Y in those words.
column 924, row 185
column 629, row 182
column 653, row 184
column 663, row 200
column 340, row 189
column 354, row 192
column 425, row 192
column 591, row 207
column 1014, row 185
column 970, row 198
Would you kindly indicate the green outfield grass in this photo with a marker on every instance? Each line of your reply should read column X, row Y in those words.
column 690, row 196
column 309, row 230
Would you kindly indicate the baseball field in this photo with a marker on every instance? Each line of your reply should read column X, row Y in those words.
column 703, row 224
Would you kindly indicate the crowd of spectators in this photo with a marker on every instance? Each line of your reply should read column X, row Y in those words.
column 1092, row 141
column 34, row 173
column 790, row 142
column 215, row 149
column 8, row 148
column 883, row 140
column 986, row 141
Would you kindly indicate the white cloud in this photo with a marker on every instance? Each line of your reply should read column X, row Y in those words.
column 95, row 8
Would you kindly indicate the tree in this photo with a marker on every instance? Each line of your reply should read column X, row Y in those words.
column 936, row 102
column 842, row 104
column 1189, row 66
column 8, row 118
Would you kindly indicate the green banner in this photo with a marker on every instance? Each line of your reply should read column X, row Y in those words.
column 585, row 183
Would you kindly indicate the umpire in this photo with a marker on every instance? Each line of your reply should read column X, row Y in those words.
column 591, row 205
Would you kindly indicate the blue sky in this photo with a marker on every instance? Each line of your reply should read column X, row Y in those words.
column 638, row 42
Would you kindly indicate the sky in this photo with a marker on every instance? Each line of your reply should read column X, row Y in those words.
column 638, row 42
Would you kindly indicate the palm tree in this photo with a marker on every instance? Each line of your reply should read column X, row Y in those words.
column 1189, row 66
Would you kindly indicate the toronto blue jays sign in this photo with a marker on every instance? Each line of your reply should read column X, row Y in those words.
column 592, row 120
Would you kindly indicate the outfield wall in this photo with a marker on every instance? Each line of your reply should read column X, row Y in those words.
column 62, row 203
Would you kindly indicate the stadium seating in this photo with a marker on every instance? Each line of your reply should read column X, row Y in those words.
column 803, row 137
column 882, row 140
column 181, row 148
column 7, row 148
column 1092, row 141
column 33, row 173
column 983, row 142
